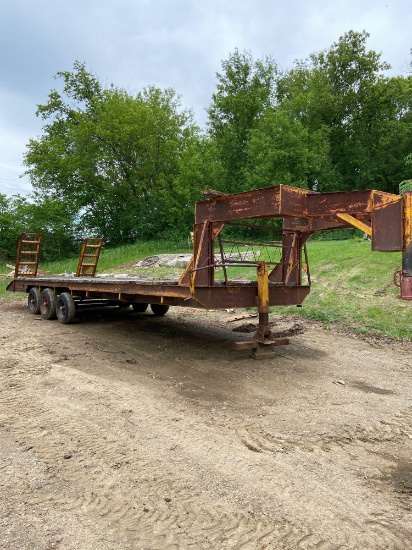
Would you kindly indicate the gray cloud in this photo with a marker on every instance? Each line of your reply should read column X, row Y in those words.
column 169, row 43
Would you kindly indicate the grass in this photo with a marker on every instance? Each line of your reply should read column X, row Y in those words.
column 112, row 257
column 353, row 286
column 350, row 284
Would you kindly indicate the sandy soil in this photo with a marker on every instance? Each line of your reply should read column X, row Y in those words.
column 127, row 431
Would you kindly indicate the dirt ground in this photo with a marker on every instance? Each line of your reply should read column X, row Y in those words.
column 129, row 431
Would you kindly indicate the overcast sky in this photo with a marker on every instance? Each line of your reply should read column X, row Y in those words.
column 168, row 43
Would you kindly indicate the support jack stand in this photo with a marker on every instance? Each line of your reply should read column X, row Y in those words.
column 263, row 337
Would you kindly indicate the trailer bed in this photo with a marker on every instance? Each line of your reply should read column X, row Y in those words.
column 163, row 291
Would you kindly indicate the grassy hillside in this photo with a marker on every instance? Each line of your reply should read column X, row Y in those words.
column 353, row 285
column 350, row 284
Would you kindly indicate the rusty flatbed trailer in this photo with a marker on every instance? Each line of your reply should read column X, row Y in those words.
column 282, row 269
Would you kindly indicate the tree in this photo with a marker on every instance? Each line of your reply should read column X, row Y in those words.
column 406, row 185
column 113, row 158
column 200, row 169
column 244, row 91
column 56, row 222
column 8, row 231
column 367, row 116
column 20, row 214
column 281, row 150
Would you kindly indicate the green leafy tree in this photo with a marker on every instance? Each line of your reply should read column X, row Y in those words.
column 244, row 91
column 343, row 91
column 20, row 214
column 281, row 150
column 113, row 158
column 200, row 169
column 8, row 229
column 406, row 185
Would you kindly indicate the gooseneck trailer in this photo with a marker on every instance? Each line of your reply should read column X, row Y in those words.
column 282, row 269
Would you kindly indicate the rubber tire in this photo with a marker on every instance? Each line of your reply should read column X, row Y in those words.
column 159, row 309
column 65, row 308
column 33, row 301
column 123, row 306
column 48, row 304
column 139, row 307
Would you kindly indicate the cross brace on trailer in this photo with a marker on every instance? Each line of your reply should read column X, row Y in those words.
column 282, row 275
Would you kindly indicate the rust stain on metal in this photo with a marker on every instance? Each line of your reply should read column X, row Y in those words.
column 89, row 257
column 349, row 202
column 380, row 198
column 28, row 255
column 387, row 230
column 293, row 201
column 259, row 203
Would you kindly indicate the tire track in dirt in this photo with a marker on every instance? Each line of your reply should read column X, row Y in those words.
column 187, row 517
column 199, row 525
column 397, row 430
column 105, row 504
column 257, row 439
column 119, row 469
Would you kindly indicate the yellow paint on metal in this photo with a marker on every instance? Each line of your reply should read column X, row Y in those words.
column 184, row 276
column 263, row 287
column 382, row 198
column 356, row 223
column 407, row 220
column 216, row 229
column 292, row 258
column 192, row 284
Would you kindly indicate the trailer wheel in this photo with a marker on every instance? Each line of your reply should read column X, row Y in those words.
column 48, row 304
column 123, row 306
column 159, row 309
column 33, row 301
column 139, row 307
column 65, row 308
